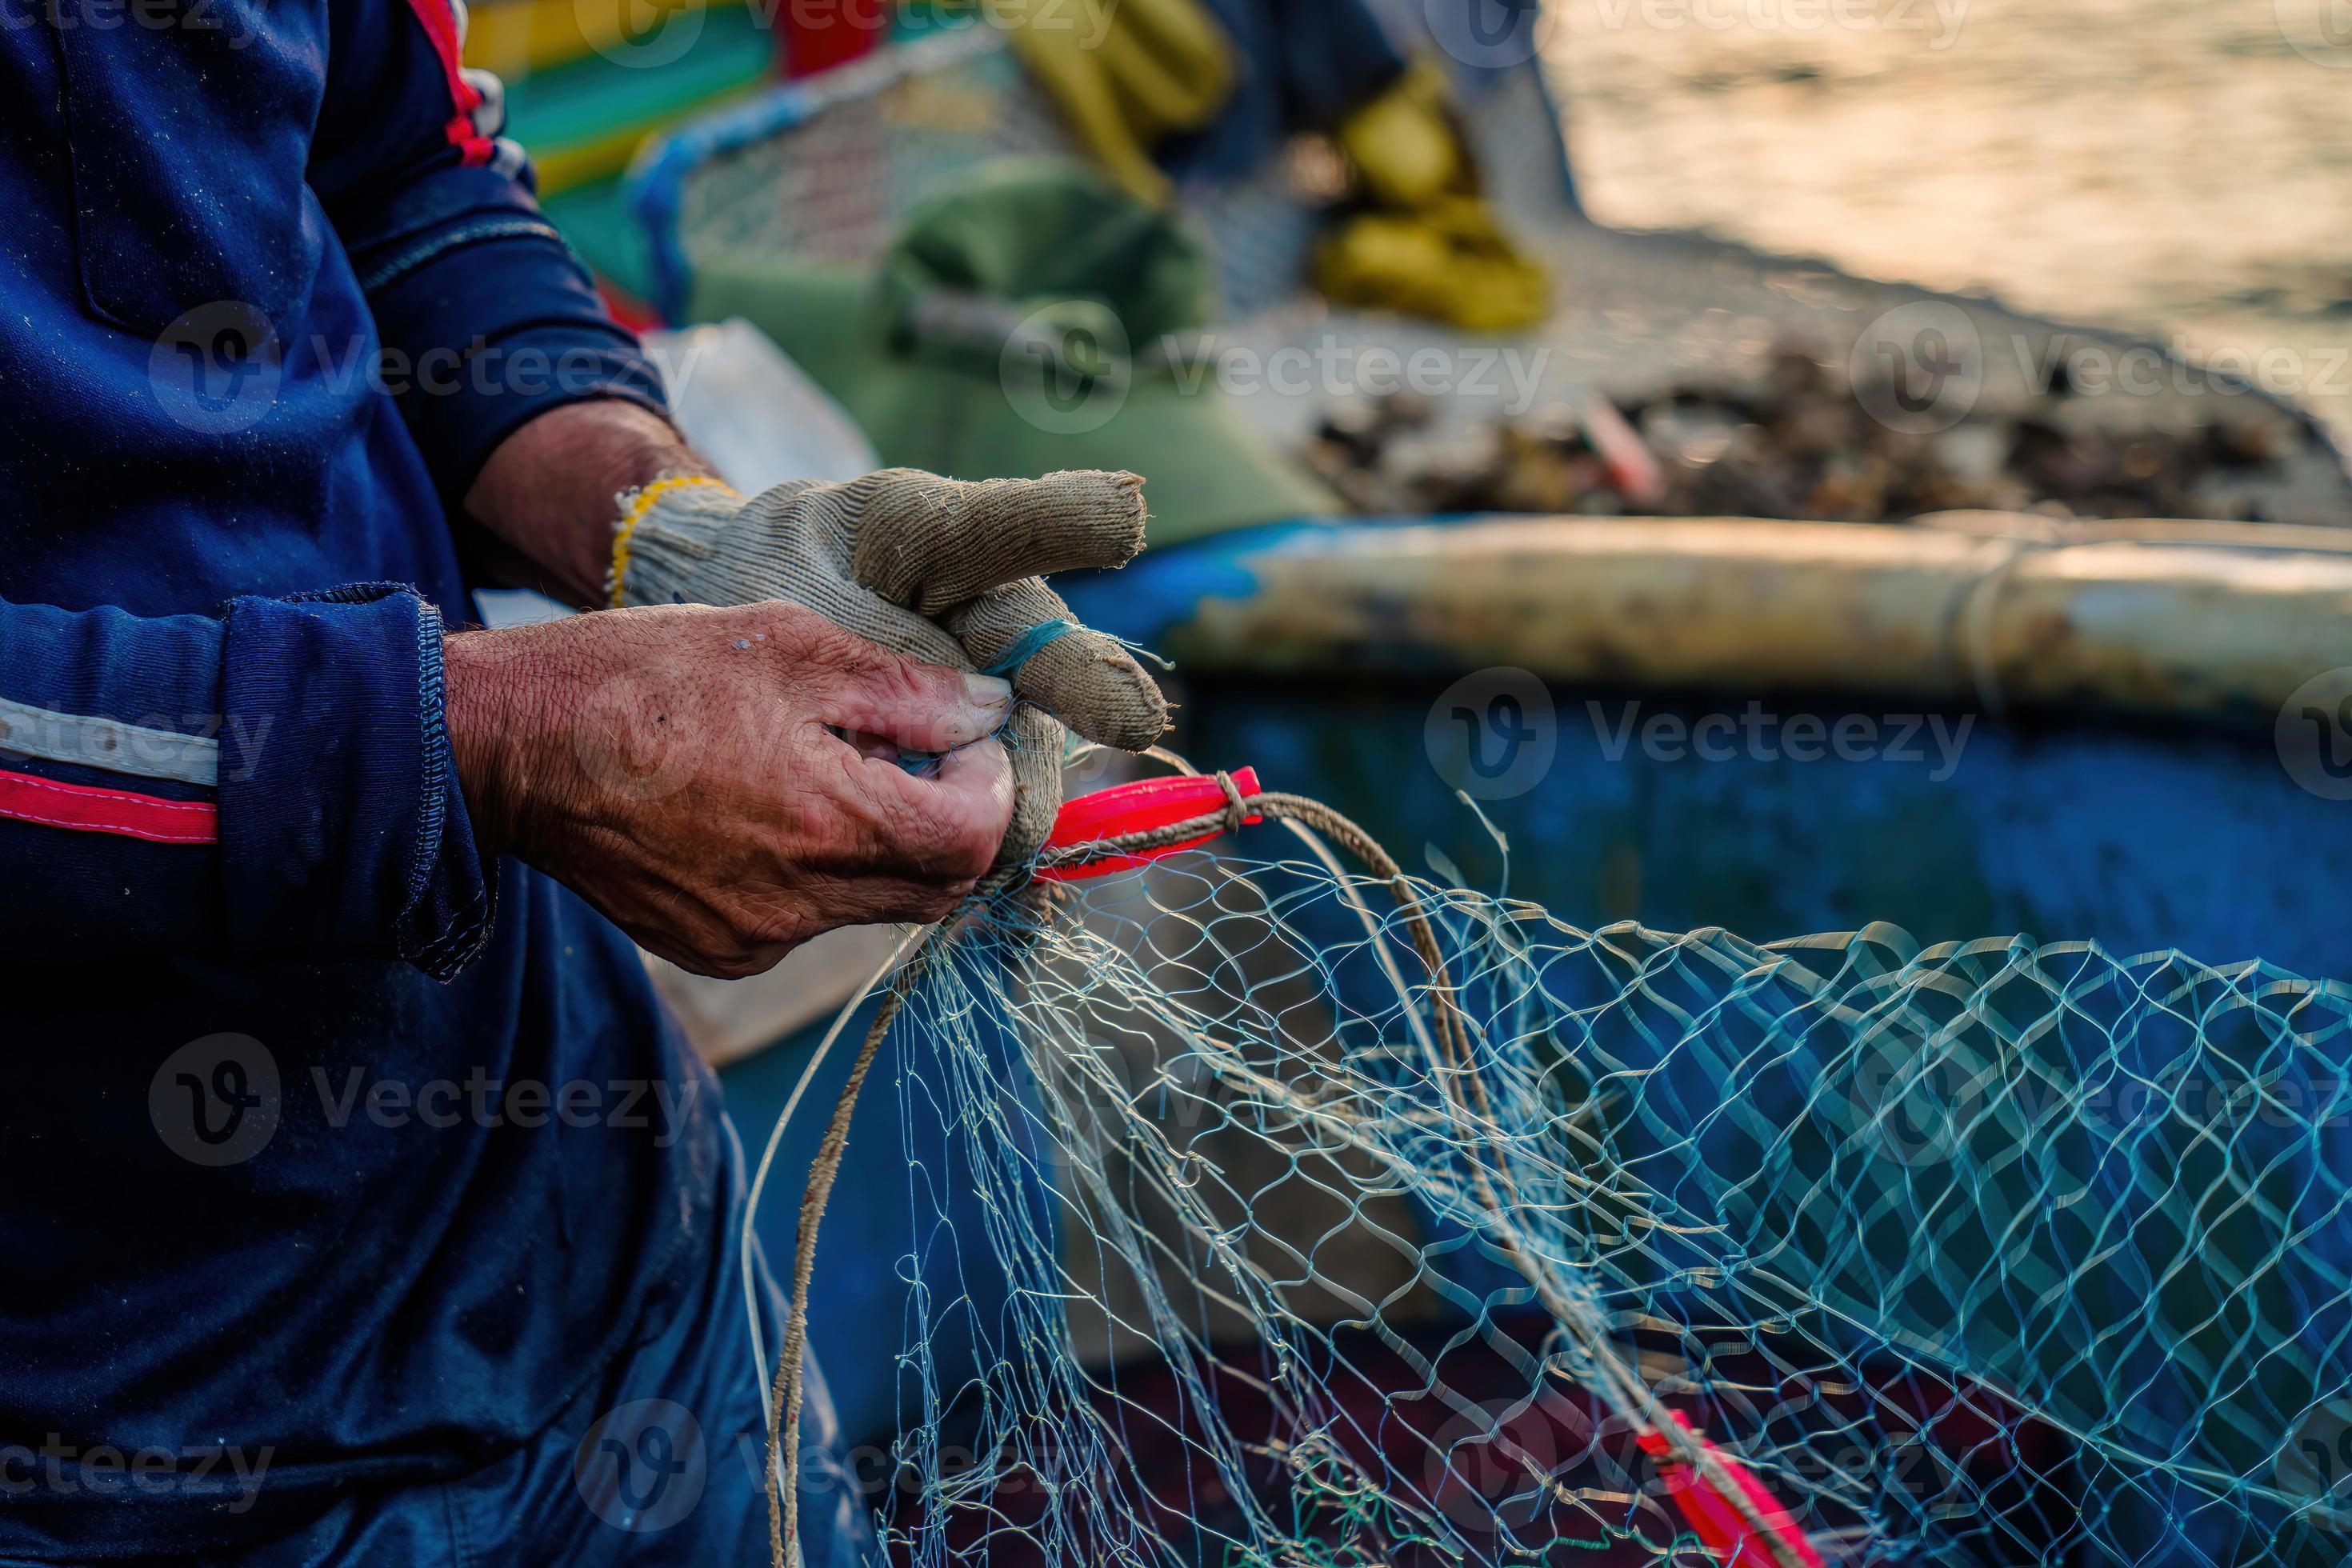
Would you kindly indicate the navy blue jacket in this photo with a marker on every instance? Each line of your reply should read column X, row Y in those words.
column 320, row 1135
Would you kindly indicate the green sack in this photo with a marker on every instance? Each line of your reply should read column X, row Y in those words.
column 1019, row 326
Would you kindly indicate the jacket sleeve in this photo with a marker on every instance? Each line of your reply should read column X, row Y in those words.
column 486, row 317
column 271, row 783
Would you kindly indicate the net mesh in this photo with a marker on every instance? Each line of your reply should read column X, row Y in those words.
column 1987, row 1253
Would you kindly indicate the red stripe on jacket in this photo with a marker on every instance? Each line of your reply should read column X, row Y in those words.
column 25, row 798
column 440, row 24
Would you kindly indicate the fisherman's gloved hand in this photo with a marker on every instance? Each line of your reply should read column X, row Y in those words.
column 944, row 571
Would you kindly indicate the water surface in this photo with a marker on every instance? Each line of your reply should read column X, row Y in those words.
column 2180, row 169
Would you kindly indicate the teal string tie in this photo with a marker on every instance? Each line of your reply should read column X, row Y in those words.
column 1027, row 645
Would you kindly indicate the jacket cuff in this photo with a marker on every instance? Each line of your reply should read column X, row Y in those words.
column 343, row 833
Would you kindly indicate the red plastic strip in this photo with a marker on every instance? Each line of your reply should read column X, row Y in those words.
column 440, row 24
column 626, row 307
column 1139, row 807
column 24, row 798
column 1716, row 1520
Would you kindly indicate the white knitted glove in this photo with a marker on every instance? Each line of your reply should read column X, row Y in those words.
column 944, row 571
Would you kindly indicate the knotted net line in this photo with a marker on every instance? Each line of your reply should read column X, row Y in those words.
column 1346, row 1218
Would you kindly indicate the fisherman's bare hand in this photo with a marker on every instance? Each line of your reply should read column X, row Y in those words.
column 720, row 781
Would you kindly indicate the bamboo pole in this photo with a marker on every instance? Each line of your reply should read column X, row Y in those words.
column 2157, row 617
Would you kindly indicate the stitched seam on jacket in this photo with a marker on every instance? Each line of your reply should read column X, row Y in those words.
column 416, row 255
column 433, row 778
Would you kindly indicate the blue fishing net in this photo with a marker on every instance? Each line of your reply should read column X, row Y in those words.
column 1319, row 1252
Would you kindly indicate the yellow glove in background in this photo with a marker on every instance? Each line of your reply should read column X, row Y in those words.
column 1125, row 74
column 1433, row 246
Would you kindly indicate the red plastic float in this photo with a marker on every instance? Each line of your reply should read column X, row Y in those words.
column 1139, row 807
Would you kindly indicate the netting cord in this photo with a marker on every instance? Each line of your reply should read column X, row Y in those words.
column 1974, row 611
column 1623, row 1388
